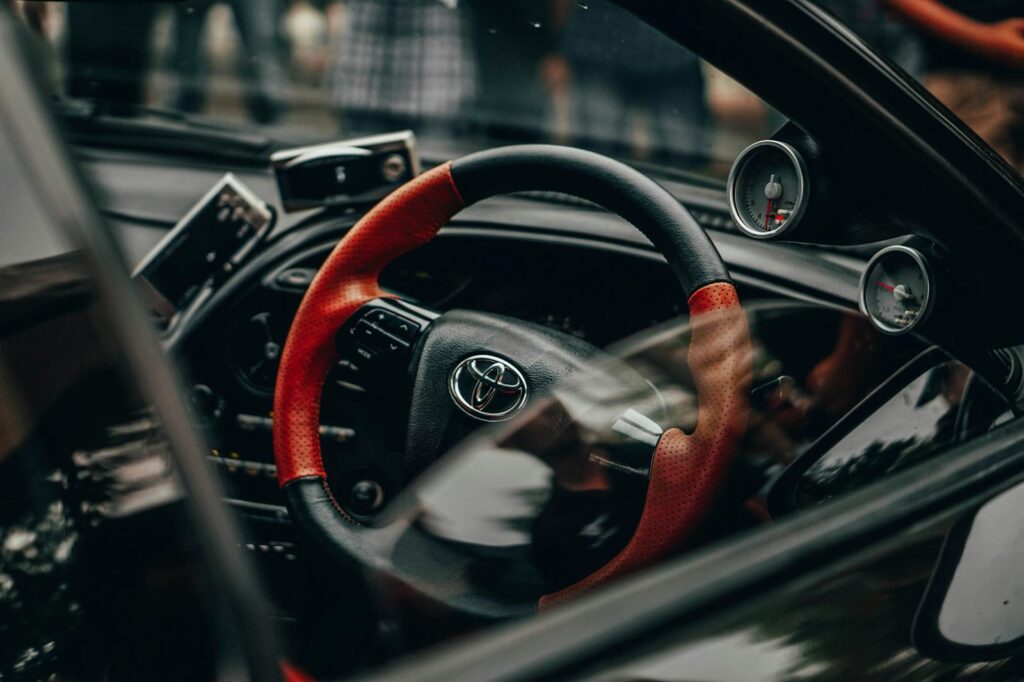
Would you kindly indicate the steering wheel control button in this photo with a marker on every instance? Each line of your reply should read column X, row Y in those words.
column 365, row 497
column 366, row 355
column 488, row 388
column 395, row 325
column 380, row 333
column 378, row 340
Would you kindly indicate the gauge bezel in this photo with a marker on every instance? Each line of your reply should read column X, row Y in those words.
column 800, row 204
column 929, row 279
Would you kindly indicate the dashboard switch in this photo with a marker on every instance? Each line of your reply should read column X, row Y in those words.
column 296, row 278
column 252, row 422
column 338, row 434
column 206, row 405
column 366, row 497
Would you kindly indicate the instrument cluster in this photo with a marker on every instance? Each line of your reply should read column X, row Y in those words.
column 769, row 190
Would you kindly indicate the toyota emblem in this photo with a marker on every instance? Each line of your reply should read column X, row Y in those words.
column 488, row 388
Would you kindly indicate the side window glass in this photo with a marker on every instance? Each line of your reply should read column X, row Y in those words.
column 928, row 406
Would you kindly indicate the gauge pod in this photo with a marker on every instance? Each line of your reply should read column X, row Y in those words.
column 897, row 289
column 768, row 189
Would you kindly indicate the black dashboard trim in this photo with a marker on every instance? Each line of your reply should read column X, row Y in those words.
column 771, row 267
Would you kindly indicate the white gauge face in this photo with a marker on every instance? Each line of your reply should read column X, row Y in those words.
column 768, row 189
column 897, row 289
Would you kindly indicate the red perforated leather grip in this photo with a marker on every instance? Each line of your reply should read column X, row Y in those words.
column 408, row 217
column 687, row 471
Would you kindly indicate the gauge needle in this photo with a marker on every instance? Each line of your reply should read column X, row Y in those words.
column 772, row 190
column 901, row 292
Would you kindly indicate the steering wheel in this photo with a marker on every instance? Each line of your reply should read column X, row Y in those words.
column 468, row 365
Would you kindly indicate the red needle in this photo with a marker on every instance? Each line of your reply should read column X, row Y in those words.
column 768, row 216
column 887, row 287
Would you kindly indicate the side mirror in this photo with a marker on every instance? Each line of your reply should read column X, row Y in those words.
column 973, row 608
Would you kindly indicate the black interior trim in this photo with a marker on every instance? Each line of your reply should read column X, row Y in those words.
column 783, row 269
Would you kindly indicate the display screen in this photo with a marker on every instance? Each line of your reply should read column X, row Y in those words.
column 206, row 243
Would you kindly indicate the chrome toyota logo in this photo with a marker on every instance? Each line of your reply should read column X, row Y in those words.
column 487, row 388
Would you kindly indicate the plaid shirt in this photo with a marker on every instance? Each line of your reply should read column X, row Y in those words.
column 408, row 57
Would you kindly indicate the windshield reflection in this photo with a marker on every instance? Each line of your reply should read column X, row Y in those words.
column 542, row 502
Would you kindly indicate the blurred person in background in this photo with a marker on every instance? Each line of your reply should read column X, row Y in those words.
column 519, row 41
column 401, row 64
column 108, row 52
column 974, row 52
column 307, row 36
column 654, row 105
column 257, row 22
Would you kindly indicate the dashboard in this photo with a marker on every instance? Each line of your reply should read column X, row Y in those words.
column 232, row 356
column 541, row 259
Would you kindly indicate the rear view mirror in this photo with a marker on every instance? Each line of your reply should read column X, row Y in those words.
column 973, row 609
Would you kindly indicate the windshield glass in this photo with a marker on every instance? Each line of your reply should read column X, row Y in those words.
column 463, row 74
column 469, row 74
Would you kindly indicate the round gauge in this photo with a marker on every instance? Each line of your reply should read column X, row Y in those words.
column 897, row 289
column 768, row 189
